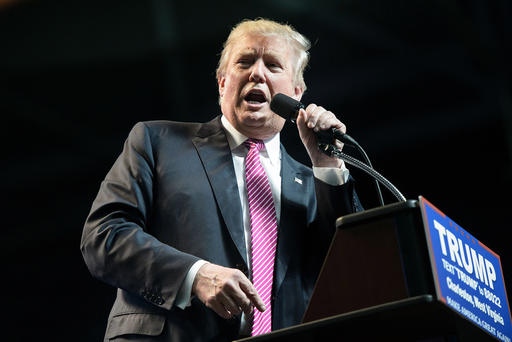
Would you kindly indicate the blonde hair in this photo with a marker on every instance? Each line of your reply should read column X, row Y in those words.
column 267, row 27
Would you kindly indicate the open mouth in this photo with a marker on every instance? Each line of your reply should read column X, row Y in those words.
column 255, row 97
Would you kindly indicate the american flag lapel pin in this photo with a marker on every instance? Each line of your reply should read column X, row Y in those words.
column 298, row 180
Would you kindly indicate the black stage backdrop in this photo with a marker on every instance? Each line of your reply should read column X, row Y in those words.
column 424, row 86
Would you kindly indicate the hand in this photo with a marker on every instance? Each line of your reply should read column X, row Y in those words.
column 227, row 291
column 314, row 119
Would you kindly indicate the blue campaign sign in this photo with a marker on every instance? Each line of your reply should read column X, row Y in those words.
column 467, row 274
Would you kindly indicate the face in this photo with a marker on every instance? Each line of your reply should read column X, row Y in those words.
column 258, row 67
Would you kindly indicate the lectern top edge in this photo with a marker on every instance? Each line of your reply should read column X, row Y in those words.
column 388, row 209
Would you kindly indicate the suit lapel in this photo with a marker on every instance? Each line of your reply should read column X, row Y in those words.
column 213, row 149
column 292, row 197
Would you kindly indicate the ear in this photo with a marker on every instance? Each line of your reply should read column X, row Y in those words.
column 221, row 81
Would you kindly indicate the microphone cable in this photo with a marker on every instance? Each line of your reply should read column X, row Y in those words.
column 330, row 150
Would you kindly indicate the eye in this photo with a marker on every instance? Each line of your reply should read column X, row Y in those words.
column 275, row 66
column 244, row 62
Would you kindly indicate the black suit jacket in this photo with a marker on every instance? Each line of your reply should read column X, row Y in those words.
column 171, row 199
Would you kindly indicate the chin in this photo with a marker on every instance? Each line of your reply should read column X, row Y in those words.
column 262, row 126
column 256, row 118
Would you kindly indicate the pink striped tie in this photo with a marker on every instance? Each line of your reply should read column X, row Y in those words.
column 263, row 233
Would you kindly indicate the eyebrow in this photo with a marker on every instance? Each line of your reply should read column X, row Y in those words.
column 251, row 51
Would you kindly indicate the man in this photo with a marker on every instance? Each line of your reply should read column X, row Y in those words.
column 188, row 211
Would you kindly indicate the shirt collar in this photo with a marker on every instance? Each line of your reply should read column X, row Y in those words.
column 235, row 139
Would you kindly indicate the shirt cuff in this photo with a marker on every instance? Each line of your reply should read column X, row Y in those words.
column 184, row 295
column 332, row 175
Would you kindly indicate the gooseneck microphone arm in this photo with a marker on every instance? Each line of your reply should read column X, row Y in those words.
column 288, row 108
column 330, row 150
column 365, row 156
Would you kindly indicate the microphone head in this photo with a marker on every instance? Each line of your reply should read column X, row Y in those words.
column 285, row 106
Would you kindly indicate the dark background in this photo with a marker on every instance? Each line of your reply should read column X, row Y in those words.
column 424, row 86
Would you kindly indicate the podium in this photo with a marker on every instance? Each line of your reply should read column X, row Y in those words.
column 381, row 281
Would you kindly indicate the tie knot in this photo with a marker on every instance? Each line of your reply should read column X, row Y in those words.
column 254, row 143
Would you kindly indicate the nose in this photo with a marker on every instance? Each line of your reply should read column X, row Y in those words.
column 258, row 72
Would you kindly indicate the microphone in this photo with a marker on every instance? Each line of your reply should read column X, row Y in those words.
column 288, row 108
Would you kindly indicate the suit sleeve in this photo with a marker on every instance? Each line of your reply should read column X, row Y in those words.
column 331, row 203
column 116, row 244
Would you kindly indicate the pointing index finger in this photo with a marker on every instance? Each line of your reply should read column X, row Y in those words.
column 253, row 296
